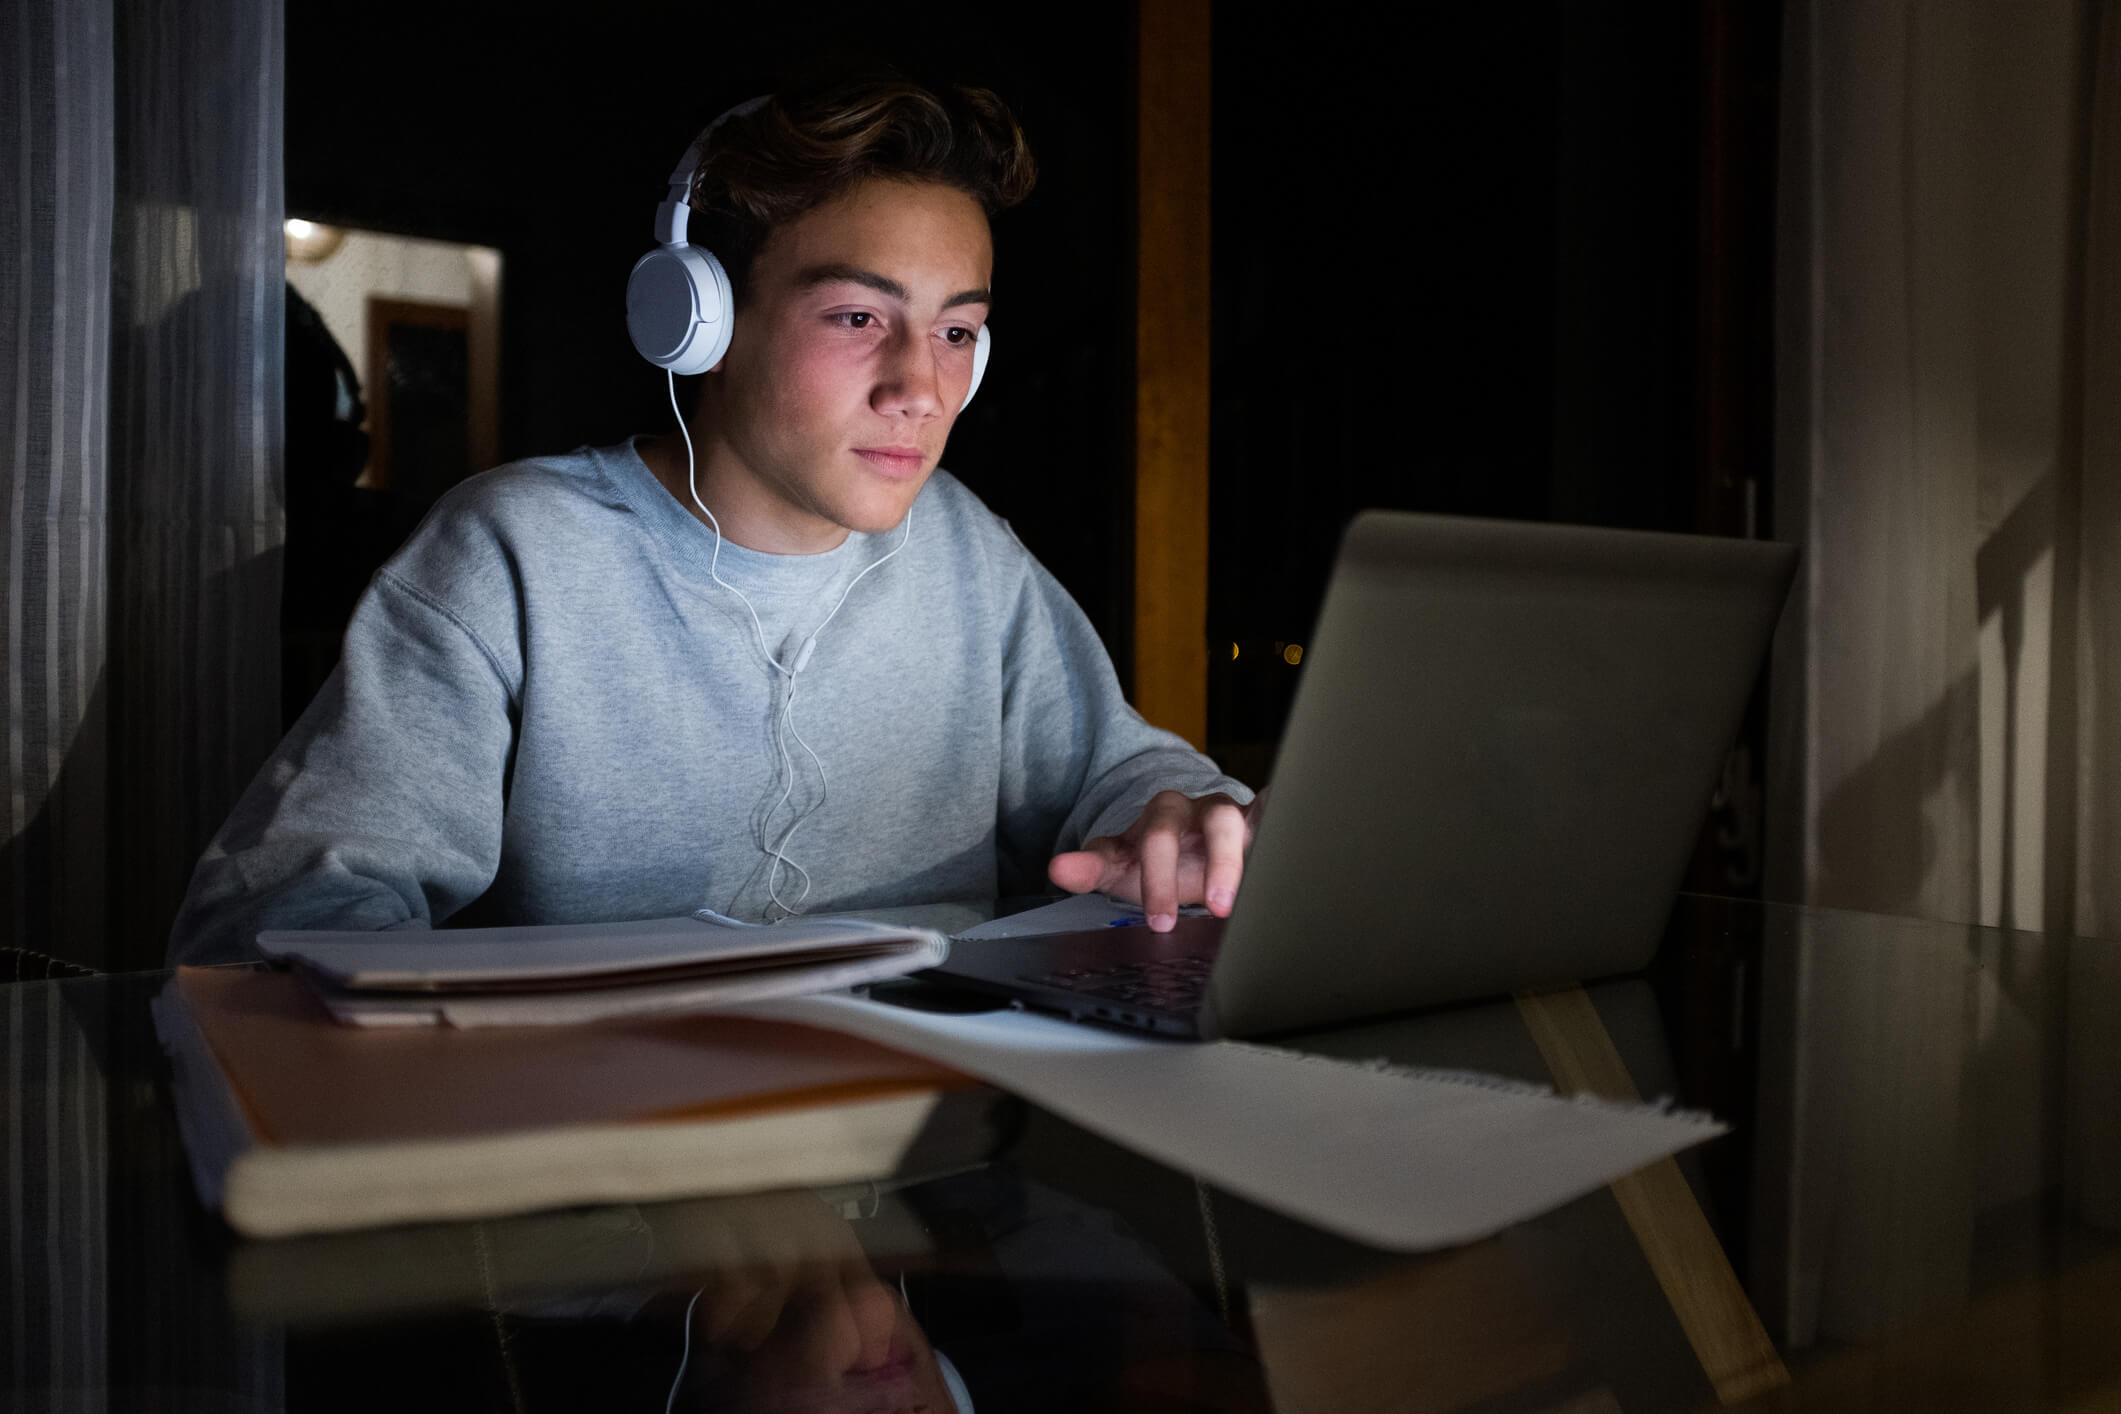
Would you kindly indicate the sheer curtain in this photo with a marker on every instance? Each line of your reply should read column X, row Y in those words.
column 140, row 318
column 141, row 292
column 1876, row 469
column 57, row 204
column 1948, row 711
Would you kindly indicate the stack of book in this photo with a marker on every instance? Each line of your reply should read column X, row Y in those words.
column 296, row 1122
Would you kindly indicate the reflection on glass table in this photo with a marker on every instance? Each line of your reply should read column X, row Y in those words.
column 864, row 1299
column 1919, row 1198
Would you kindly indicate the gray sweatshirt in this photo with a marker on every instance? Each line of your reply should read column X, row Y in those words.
column 547, row 711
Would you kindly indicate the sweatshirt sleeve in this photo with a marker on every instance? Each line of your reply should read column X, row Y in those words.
column 1077, row 761
column 383, row 807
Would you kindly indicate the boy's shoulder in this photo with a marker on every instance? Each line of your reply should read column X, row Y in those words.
column 968, row 523
column 488, row 528
column 526, row 493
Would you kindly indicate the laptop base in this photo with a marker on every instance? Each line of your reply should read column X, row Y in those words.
column 1129, row 977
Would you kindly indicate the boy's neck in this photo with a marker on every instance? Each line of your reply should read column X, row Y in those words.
column 749, row 514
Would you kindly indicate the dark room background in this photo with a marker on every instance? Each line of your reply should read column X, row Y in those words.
column 1501, row 260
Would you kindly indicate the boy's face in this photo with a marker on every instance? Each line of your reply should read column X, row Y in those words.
column 851, row 356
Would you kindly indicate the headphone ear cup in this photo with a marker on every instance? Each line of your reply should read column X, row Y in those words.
column 680, row 308
column 980, row 353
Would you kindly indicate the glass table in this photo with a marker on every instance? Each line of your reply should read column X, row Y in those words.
column 1918, row 1207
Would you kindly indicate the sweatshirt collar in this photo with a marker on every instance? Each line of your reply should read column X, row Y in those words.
column 688, row 544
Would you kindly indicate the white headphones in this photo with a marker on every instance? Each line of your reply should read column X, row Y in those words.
column 680, row 308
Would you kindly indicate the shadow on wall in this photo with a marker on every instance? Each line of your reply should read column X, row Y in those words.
column 177, row 761
column 1877, row 833
column 96, row 876
column 1877, row 840
column 338, row 532
column 196, row 523
column 2003, row 566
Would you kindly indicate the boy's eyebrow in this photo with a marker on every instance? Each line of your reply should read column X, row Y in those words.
column 837, row 271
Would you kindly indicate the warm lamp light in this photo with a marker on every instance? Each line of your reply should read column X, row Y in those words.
column 311, row 242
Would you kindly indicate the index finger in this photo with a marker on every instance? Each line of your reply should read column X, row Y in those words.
column 1162, row 825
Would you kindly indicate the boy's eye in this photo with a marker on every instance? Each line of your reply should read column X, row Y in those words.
column 859, row 319
column 958, row 336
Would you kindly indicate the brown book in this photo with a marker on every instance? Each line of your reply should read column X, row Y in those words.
column 296, row 1124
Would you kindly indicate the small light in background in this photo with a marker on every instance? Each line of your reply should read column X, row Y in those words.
column 1293, row 654
column 1233, row 650
column 310, row 243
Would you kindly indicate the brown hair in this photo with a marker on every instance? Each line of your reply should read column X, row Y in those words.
column 810, row 142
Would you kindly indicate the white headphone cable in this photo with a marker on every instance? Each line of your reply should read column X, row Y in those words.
column 684, row 1357
column 802, row 657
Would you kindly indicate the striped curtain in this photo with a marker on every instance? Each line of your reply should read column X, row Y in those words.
column 54, row 1236
column 141, row 310
column 105, row 1305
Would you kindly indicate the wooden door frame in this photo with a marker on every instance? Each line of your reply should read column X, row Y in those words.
column 1173, row 90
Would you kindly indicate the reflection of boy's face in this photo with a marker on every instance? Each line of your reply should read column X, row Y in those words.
column 851, row 356
column 845, row 1348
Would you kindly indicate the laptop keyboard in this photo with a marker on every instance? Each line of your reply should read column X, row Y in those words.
column 1166, row 984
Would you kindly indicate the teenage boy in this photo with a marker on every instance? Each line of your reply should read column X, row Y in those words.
column 777, row 662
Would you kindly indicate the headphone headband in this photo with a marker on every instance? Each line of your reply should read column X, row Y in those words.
column 671, row 216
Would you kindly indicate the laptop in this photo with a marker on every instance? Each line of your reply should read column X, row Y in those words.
column 1497, row 763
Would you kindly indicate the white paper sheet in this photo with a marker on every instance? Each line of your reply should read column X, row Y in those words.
column 1398, row 1159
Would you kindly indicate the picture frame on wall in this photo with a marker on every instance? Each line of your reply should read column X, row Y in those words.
column 431, row 415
